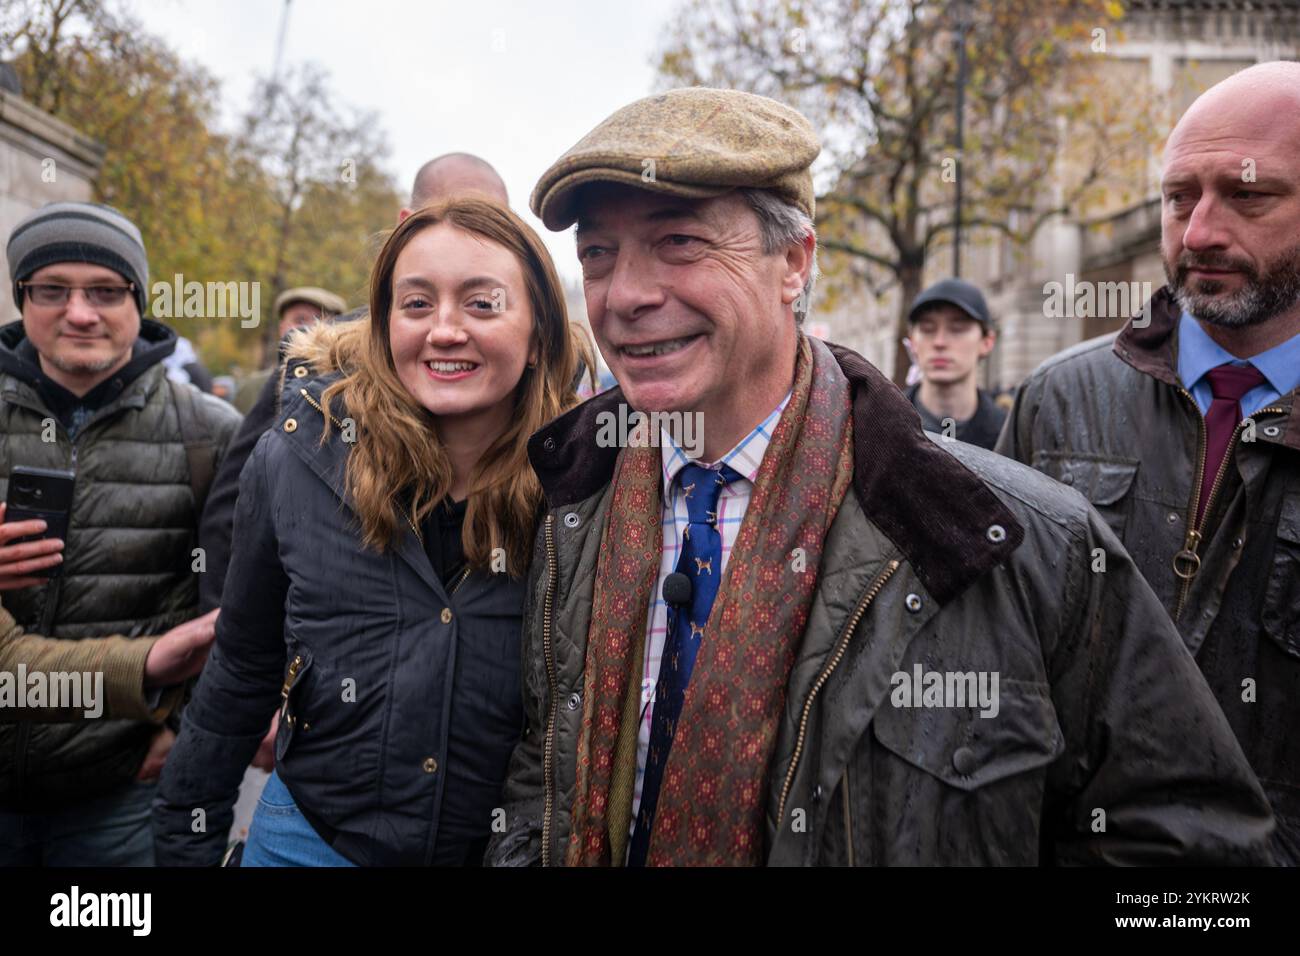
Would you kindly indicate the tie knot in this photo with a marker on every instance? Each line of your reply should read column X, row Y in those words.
column 1230, row 382
column 701, row 487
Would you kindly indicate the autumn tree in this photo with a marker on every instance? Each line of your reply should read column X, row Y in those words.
column 1047, row 130
column 328, row 196
column 288, row 198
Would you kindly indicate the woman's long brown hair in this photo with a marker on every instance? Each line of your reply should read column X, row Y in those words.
column 397, row 470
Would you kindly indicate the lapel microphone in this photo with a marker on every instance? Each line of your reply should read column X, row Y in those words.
column 677, row 590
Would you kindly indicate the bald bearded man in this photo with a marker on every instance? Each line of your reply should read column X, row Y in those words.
column 1184, row 432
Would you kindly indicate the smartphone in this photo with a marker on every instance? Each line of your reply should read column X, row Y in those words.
column 44, row 493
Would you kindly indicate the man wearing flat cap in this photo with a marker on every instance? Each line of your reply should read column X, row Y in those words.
column 828, row 639
column 294, row 309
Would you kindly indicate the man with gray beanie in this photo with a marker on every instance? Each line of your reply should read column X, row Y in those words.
column 83, row 390
column 813, row 634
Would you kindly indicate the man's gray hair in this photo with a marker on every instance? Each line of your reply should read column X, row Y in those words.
column 781, row 223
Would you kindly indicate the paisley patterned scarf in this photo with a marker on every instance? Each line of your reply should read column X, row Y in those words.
column 711, row 803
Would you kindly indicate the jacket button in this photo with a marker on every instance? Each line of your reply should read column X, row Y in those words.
column 817, row 793
column 300, row 372
column 964, row 762
column 1272, row 431
column 913, row 602
column 446, row 615
column 996, row 533
column 1172, row 517
column 291, row 424
column 430, row 765
column 549, row 444
column 571, row 519
column 575, row 700
column 1237, row 543
column 1067, row 478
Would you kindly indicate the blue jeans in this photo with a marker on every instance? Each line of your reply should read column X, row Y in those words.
column 112, row 830
column 281, row 836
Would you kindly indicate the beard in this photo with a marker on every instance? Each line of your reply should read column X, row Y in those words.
column 1264, row 294
column 82, row 367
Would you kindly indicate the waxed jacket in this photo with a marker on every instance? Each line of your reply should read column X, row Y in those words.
column 1111, row 418
column 951, row 558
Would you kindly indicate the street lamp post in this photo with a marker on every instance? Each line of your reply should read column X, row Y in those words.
column 961, row 110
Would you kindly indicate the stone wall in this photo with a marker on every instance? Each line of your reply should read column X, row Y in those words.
column 41, row 160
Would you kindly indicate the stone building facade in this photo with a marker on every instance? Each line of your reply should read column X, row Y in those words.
column 41, row 160
column 1179, row 47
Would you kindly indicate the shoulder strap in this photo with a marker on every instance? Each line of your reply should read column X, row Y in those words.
column 200, row 449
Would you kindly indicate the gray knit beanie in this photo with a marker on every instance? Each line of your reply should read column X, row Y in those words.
column 79, row 232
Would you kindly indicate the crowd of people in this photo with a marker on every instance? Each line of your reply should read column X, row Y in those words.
column 460, row 628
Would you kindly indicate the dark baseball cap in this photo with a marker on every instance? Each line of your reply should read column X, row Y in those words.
column 956, row 292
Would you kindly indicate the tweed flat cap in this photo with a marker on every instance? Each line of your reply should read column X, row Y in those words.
column 322, row 299
column 694, row 142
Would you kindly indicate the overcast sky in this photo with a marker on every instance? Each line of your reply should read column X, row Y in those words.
column 515, row 82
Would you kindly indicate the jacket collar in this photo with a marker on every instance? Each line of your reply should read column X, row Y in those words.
column 1152, row 349
column 943, row 524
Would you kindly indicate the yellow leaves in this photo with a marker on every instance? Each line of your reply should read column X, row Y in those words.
column 206, row 206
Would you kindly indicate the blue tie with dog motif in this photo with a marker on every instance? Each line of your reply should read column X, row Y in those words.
column 701, row 561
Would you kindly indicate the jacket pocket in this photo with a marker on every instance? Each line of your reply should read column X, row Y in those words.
column 1104, row 481
column 291, row 710
column 966, row 751
column 1281, row 613
column 943, row 786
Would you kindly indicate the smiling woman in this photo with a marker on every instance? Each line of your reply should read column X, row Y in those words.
column 468, row 353
column 397, row 617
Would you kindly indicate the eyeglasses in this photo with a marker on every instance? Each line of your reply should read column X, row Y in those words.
column 99, row 296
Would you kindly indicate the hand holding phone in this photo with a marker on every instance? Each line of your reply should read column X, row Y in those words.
column 20, row 564
column 33, row 524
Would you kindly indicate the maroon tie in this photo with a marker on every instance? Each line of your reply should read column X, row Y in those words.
column 1227, row 384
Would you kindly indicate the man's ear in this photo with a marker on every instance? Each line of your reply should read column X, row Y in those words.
column 402, row 214
column 986, row 344
column 798, row 266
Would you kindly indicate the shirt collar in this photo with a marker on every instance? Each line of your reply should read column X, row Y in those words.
column 1198, row 353
column 745, row 458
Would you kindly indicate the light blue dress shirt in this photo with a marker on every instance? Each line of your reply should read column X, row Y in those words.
column 1198, row 353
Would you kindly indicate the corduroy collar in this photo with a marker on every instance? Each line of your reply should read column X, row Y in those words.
column 941, row 524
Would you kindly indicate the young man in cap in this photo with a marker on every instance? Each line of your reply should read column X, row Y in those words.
column 950, row 333
column 1184, row 429
column 840, row 583
column 84, row 390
